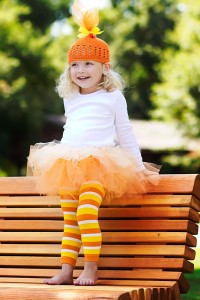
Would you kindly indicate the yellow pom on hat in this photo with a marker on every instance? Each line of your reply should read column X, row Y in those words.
column 88, row 47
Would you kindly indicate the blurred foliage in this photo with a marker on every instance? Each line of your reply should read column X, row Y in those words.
column 182, row 162
column 27, row 80
column 176, row 161
column 141, row 30
column 154, row 44
column 177, row 96
column 44, row 12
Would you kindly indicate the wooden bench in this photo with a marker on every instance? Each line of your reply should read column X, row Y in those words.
column 147, row 245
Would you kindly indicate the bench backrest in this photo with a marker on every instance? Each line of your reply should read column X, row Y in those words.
column 149, row 240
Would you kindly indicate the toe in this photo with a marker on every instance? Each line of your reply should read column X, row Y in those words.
column 47, row 281
column 76, row 282
column 86, row 282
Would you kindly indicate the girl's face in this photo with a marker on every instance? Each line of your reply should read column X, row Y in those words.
column 88, row 74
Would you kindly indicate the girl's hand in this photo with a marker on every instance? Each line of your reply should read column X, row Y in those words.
column 151, row 174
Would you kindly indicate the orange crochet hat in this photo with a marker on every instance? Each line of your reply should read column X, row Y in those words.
column 88, row 46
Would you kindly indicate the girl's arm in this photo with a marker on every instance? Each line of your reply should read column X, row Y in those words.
column 124, row 131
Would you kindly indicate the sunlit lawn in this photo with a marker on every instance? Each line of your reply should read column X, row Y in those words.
column 194, row 280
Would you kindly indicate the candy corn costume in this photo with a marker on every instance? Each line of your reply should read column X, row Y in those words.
column 98, row 156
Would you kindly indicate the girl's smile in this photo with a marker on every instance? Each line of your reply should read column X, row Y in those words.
column 87, row 75
column 83, row 78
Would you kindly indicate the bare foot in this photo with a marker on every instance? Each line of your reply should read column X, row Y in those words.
column 89, row 274
column 64, row 277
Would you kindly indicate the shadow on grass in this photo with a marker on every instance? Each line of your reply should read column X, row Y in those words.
column 194, row 281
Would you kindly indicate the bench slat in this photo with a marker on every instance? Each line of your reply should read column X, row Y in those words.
column 115, row 213
column 117, row 274
column 113, row 250
column 171, row 287
column 180, row 183
column 150, row 225
column 131, row 225
column 25, row 225
column 44, row 213
column 34, row 292
column 179, row 200
column 144, row 200
column 66, row 292
column 150, row 212
column 142, row 274
column 30, row 201
column 106, row 283
column 104, row 262
column 108, row 237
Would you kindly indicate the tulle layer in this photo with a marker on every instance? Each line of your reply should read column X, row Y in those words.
column 58, row 166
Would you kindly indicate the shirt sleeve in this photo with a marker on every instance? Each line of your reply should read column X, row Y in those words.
column 65, row 104
column 124, row 130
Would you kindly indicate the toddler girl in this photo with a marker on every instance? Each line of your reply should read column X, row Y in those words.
column 98, row 156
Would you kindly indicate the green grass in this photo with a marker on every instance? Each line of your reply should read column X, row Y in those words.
column 194, row 280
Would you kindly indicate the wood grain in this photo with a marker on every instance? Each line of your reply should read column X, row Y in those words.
column 146, row 243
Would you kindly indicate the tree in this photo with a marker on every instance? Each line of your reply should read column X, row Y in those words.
column 177, row 96
column 42, row 13
column 138, row 42
column 28, row 71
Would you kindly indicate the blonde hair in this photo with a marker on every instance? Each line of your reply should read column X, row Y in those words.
column 66, row 88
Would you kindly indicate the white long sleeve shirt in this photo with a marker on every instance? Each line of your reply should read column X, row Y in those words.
column 97, row 119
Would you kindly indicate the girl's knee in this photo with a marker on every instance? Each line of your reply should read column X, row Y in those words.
column 93, row 186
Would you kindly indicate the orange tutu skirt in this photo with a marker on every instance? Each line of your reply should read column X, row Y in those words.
column 58, row 166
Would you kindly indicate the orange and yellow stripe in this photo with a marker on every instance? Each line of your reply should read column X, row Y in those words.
column 81, row 226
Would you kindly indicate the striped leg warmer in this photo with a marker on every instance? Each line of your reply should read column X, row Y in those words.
column 91, row 194
column 71, row 241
